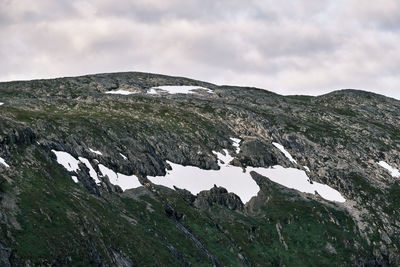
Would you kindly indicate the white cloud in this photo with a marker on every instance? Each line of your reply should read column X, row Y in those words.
column 302, row 47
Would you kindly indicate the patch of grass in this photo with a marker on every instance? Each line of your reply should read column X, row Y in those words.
column 325, row 133
column 61, row 221
column 362, row 184
column 393, row 197
column 307, row 226
column 4, row 185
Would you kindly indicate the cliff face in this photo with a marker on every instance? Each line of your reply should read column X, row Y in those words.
column 337, row 139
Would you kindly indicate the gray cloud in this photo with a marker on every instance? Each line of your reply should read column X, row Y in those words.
column 291, row 47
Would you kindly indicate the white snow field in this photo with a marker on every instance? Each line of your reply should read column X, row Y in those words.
column 182, row 89
column 2, row 161
column 298, row 179
column 170, row 89
column 119, row 92
column 241, row 183
column 66, row 160
column 394, row 172
column 195, row 179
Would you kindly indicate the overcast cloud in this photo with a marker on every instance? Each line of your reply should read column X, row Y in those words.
column 289, row 47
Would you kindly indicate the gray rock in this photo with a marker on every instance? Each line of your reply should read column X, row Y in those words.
column 218, row 196
column 330, row 248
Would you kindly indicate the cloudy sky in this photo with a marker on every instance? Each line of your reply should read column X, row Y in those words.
column 290, row 47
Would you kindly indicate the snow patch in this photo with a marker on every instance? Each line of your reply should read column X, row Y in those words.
column 92, row 172
column 112, row 176
column 394, row 172
column 68, row 162
column 298, row 179
column 285, row 152
column 195, row 180
column 183, row 89
column 235, row 180
column 306, row 168
column 1, row 103
column 119, row 92
column 72, row 164
column 223, row 160
column 123, row 156
column 236, row 144
column 95, row 151
column 2, row 161
column 152, row 91
column 65, row 159
column 122, row 180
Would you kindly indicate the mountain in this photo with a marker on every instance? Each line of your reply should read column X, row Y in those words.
column 88, row 167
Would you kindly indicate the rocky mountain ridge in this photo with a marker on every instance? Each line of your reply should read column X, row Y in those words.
column 48, row 220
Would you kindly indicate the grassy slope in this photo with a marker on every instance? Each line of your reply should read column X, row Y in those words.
column 62, row 222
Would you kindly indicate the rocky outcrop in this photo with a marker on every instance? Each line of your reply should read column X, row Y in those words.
column 218, row 196
column 5, row 254
column 120, row 260
column 255, row 152
column 21, row 136
column 186, row 195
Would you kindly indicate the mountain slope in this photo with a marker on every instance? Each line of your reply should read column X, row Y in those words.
column 47, row 219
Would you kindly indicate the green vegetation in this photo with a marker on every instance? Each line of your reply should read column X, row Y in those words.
column 62, row 222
